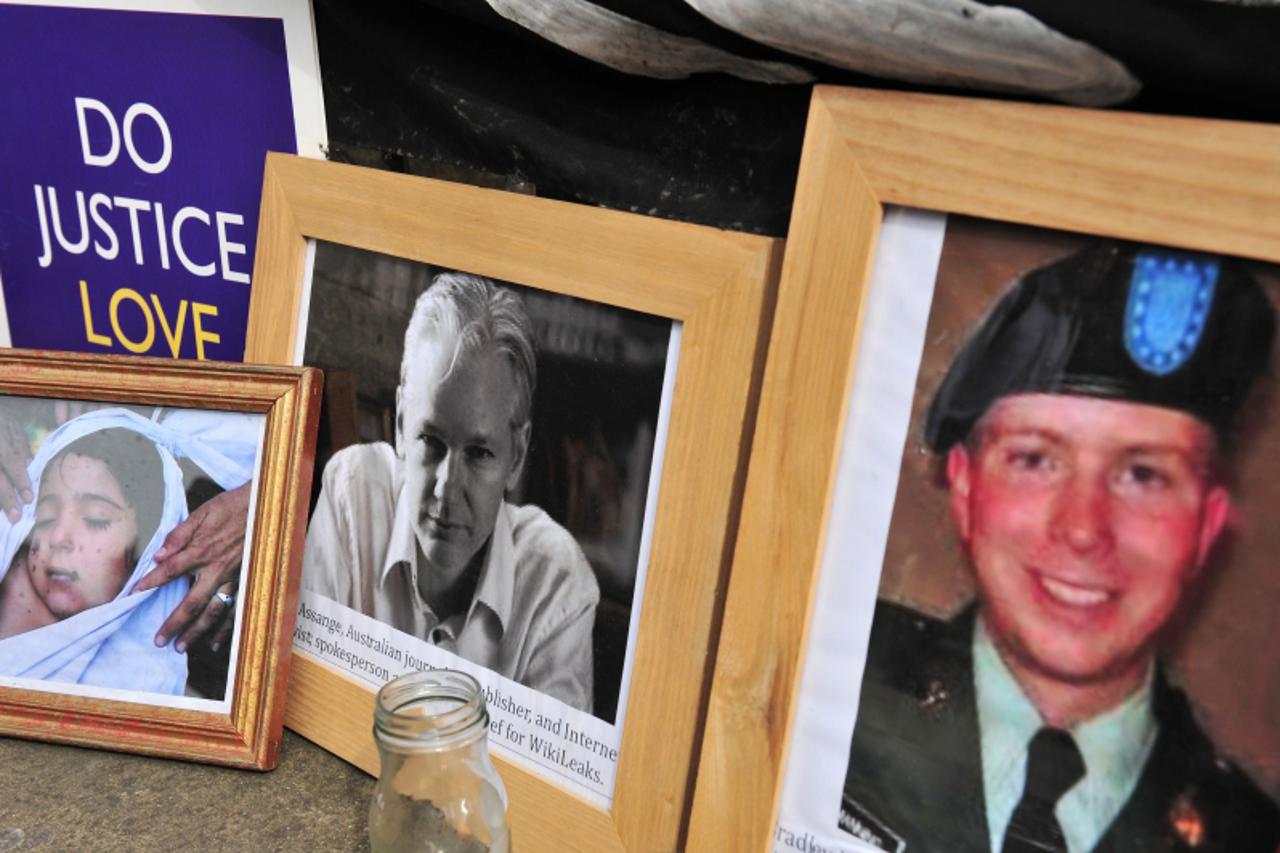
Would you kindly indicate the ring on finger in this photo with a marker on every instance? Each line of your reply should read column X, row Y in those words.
column 228, row 600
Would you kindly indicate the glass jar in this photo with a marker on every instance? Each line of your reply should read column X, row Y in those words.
column 437, row 791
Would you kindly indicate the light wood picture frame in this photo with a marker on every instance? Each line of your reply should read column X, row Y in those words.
column 1188, row 183
column 718, row 285
column 154, row 400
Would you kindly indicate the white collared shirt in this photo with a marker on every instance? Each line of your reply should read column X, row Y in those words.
column 533, row 610
column 1115, row 746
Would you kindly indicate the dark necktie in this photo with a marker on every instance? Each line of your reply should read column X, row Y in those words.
column 1053, row 766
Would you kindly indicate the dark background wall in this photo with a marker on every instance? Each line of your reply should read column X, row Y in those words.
column 448, row 88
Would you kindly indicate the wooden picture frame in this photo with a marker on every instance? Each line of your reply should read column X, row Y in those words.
column 717, row 284
column 1196, row 184
column 247, row 733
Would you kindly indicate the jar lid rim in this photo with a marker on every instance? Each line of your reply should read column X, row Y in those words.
column 432, row 706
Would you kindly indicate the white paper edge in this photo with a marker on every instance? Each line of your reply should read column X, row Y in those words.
column 650, row 514
column 878, row 415
column 5, row 340
column 304, row 304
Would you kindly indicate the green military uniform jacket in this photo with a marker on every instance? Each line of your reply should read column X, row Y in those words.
column 915, row 765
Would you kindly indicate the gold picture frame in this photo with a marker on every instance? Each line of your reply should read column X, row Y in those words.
column 248, row 733
column 718, row 285
column 1197, row 184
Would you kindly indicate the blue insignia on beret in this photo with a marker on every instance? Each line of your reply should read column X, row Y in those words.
column 1169, row 300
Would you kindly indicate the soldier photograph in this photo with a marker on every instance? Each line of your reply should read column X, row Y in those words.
column 1050, row 665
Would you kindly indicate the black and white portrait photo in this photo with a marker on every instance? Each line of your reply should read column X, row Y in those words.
column 487, row 452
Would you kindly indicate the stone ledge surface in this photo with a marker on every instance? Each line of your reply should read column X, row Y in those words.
column 67, row 798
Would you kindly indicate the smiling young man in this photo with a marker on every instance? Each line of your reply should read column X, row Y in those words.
column 1085, row 428
column 421, row 537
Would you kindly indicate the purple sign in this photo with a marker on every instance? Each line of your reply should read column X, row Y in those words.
column 130, row 176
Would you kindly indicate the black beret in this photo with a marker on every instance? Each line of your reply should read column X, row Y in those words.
column 1181, row 330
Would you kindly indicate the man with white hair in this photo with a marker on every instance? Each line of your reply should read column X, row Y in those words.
column 421, row 536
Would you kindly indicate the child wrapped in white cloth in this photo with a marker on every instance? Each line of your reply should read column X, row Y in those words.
column 108, row 491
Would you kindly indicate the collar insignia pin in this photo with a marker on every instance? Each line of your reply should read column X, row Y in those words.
column 1188, row 823
column 935, row 698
